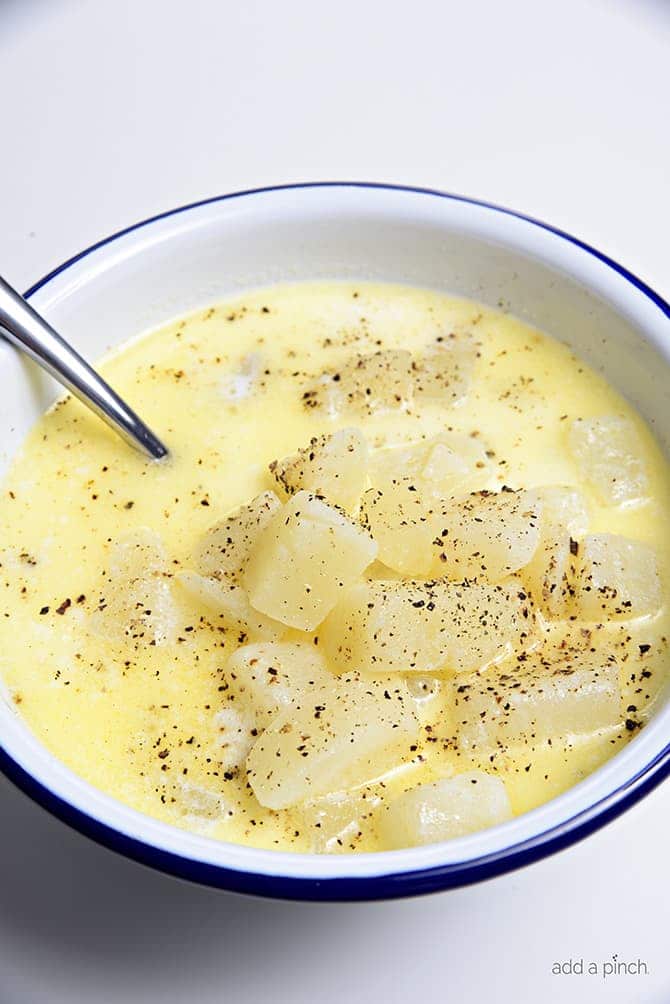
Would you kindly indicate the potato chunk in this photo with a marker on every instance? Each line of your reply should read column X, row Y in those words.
column 444, row 373
column 608, row 453
column 335, row 738
column 199, row 803
column 565, row 507
column 365, row 384
column 220, row 560
column 224, row 549
column 334, row 466
column 337, row 822
column 136, row 600
column 305, row 560
column 230, row 602
column 418, row 627
column 550, row 576
column 402, row 524
column 392, row 378
column 558, row 694
column 267, row 677
column 488, row 535
column 551, row 573
column 237, row 734
column 451, row 807
column 246, row 378
column 441, row 466
column 618, row 579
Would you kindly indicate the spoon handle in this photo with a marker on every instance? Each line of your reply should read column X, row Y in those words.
column 28, row 331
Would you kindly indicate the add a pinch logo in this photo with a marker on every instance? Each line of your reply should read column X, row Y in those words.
column 613, row 966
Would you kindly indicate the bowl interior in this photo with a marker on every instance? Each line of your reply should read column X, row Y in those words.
column 197, row 256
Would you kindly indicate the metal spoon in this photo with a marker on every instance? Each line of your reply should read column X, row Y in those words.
column 25, row 328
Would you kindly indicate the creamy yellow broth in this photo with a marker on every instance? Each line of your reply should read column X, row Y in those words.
column 222, row 388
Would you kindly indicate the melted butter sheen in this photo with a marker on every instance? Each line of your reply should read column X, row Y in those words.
column 223, row 388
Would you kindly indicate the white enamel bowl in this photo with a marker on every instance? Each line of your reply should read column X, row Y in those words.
column 200, row 254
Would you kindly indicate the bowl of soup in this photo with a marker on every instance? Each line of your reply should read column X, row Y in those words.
column 393, row 615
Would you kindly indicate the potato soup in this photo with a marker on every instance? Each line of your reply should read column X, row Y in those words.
column 399, row 580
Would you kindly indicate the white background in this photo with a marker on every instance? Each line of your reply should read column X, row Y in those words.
column 111, row 110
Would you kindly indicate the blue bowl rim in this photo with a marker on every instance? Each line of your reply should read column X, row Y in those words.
column 365, row 888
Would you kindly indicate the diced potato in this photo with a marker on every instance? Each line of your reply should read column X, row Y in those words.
column 136, row 600
column 338, row 737
column 267, row 677
column 488, row 535
column 444, row 373
column 239, row 384
column 202, row 803
column 220, row 560
column 618, row 579
column 305, row 560
column 365, row 384
column 550, row 576
column 402, row 524
column 418, row 627
column 451, row 807
column 237, row 731
column 392, row 378
column 226, row 545
column 448, row 463
column 640, row 647
column 230, row 602
column 645, row 676
column 337, row 822
column 551, row 573
column 557, row 694
column 334, row 466
column 608, row 452
column 564, row 507
column 378, row 570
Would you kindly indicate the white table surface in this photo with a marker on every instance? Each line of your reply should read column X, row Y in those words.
column 111, row 110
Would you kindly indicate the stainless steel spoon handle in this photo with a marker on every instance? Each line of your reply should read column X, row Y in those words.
column 26, row 329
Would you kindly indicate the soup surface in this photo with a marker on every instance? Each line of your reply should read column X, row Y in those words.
column 399, row 579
